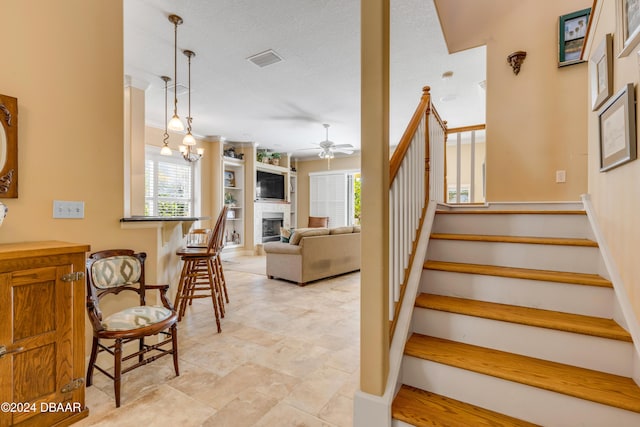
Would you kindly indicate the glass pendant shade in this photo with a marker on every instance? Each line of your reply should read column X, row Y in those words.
column 189, row 139
column 166, row 151
column 176, row 124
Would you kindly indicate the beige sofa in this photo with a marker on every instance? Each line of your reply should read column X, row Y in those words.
column 313, row 254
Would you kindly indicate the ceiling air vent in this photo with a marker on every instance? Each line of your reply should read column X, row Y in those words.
column 179, row 88
column 265, row 58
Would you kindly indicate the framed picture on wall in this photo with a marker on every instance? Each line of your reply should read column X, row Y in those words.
column 618, row 129
column 629, row 17
column 602, row 72
column 8, row 147
column 572, row 30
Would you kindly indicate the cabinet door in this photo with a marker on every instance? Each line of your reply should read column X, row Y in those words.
column 36, row 314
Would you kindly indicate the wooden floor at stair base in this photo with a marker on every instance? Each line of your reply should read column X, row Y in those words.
column 567, row 322
column 599, row 387
column 422, row 409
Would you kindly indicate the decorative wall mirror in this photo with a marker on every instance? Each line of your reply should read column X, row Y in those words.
column 8, row 147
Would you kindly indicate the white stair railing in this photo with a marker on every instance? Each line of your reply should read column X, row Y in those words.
column 416, row 172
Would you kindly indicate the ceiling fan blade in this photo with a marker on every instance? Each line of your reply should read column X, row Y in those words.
column 342, row 150
column 311, row 148
column 342, row 146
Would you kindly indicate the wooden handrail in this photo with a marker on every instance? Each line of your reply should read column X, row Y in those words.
column 405, row 141
column 466, row 128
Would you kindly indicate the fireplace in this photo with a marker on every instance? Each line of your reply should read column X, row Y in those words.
column 271, row 223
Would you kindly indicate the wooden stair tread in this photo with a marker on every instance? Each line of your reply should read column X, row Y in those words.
column 568, row 322
column 520, row 273
column 561, row 241
column 422, row 409
column 506, row 212
column 600, row 387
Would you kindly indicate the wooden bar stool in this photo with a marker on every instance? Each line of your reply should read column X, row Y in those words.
column 199, row 277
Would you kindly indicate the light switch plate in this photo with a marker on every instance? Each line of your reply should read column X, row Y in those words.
column 68, row 209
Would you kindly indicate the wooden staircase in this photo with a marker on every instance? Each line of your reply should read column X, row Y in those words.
column 513, row 326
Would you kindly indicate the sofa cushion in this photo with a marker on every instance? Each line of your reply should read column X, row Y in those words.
column 299, row 233
column 341, row 230
column 281, row 248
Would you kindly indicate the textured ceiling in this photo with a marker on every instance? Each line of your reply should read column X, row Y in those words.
column 283, row 106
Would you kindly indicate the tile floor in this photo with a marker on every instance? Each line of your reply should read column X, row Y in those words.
column 287, row 356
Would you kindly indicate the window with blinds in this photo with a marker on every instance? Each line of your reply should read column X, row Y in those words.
column 169, row 184
column 328, row 196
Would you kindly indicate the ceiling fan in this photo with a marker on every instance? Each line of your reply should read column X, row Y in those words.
column 329, row 148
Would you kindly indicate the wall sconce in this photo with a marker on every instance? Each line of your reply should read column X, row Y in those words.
column 516, row 59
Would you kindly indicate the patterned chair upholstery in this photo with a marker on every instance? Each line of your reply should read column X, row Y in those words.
column 111, row 272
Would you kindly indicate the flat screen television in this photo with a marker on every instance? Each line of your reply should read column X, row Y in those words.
column 269, row 186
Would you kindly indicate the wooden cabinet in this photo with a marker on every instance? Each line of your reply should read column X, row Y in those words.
column 42, row 315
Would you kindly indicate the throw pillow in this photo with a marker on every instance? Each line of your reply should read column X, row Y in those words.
column 285, row 234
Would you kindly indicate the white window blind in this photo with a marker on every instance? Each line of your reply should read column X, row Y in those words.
column 169, row 184
column 328, row 197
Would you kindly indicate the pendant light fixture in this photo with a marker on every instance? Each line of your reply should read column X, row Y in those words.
column 189, row 141
column 188, row 138
column 175, row 123
column 165, row 151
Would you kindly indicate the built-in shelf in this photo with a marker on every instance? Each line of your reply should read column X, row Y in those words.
column 233, row 170
column 271, row 168
column 233, row 160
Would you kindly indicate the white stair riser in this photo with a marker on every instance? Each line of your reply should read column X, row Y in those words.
column 586, row 300
column 541, row 257
column 575, row 226
column 601, row 354
column 398, row 423
column 517, row 400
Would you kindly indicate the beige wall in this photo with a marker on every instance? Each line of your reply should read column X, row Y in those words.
column 64, row 64
column 305, row 167
column 614, row 193
column 536, row 121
